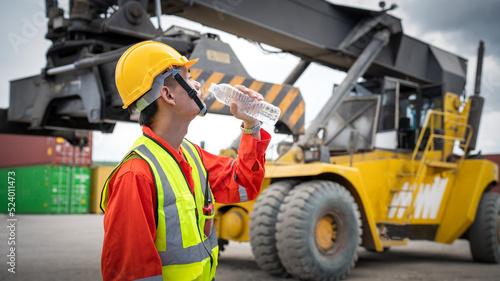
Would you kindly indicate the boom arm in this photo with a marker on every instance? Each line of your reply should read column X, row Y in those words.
column 364, row 43
column 328, row 34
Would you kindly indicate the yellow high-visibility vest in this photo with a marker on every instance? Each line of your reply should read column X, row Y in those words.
column 185, row 252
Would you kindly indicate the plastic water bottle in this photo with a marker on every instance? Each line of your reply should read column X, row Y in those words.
column 260, row 110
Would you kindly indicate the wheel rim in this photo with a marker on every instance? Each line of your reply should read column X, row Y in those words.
column 328, row 233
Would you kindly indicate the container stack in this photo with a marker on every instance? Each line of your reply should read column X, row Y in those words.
column 99, row 175
column 50, row 175
column 21, row 151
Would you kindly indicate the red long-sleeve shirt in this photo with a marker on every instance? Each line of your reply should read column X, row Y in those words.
column 129, row 250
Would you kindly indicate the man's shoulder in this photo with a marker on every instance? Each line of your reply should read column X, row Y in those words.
column 134, row 166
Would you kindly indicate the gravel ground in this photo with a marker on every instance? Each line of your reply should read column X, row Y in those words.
column 68, row 247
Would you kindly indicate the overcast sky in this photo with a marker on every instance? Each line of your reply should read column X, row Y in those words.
column 455, row 26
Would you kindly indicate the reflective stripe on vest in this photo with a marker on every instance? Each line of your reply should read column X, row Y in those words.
column 184, row 251
column 152, row 278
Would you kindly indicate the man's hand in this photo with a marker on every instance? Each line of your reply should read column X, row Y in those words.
column 248, row 121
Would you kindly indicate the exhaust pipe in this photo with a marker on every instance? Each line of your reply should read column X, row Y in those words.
column 479, row 68
column 477, row 102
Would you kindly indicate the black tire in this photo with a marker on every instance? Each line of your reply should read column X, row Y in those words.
column 263, row 226
column 306, row 210
column 484, row 233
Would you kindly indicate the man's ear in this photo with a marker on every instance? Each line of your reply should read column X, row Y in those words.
column 167, row 95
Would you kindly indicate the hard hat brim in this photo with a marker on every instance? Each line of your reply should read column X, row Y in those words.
column 190, row 63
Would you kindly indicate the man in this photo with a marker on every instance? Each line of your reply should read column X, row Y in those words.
column 158, row 207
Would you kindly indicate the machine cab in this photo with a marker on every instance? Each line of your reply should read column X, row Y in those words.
column 398, row 122
column 404, row 107
column 386, row 113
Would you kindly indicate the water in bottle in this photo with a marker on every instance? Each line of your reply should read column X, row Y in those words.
column 260, row 110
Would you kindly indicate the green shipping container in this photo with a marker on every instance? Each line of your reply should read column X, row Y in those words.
column 80, row 190
column 47, row 189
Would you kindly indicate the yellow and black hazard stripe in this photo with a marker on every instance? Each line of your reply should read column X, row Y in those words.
column 286, row 97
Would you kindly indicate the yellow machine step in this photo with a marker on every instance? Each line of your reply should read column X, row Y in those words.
column 389, row 243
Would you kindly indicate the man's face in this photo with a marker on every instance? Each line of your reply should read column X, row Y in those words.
column 186, row 104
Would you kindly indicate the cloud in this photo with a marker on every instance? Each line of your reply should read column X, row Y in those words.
column 488, row 140
column 462, row 22
column 490, row 84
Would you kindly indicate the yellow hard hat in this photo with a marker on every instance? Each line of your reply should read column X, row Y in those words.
column 140, row 64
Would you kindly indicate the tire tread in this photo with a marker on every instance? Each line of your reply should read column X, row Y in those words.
column 263, row 226
column 291, row 232
column 483, row 235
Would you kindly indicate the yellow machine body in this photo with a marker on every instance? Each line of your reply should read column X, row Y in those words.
column 428, row 193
